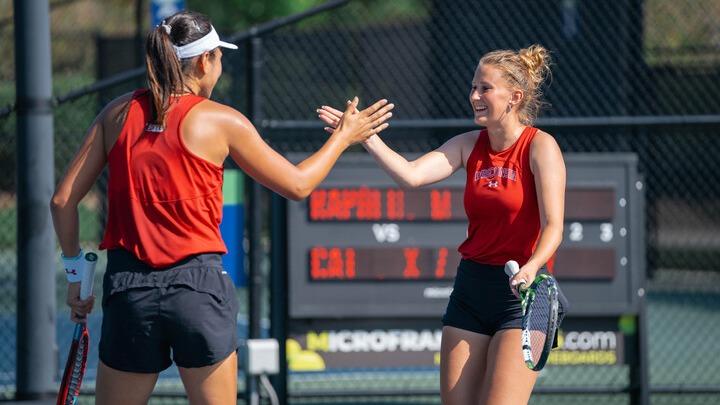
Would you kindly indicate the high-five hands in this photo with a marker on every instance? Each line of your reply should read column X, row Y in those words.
column 366, row 123
column 330, row 116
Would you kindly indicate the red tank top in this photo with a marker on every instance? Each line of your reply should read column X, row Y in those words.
column 165, row 203
column 501, row 202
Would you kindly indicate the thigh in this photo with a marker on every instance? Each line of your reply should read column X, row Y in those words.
column 215, row 384
column 463, row 356
column 122, row 387
column 507, row 381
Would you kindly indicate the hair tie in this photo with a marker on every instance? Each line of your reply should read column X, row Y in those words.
column 166, row 27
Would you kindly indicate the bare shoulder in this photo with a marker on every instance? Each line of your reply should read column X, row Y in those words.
column 542, row 137
column 115, row 111
column 120, row 101
column 544, row 151
column 209, row 113
column 544, row 142
column 466, row 143
column 468, row 137
column 111, row 120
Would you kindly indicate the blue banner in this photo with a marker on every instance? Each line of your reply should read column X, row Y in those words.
column 159, row 9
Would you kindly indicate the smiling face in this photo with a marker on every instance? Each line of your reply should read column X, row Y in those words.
column 491, row 95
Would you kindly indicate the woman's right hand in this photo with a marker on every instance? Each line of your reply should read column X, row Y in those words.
column 356, row 126
column 79, row 309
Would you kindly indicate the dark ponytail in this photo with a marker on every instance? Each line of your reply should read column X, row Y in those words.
column 165, row 71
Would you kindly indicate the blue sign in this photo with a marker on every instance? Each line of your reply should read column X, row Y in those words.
column 159, row 9
column 233, row 225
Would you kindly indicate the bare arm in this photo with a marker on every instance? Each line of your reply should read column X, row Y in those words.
column 267, row 166
column 547, row 165
column 429, row 168
column 81, row 174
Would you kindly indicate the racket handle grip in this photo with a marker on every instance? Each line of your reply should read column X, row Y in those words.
column 88, row 275
column 511, row 268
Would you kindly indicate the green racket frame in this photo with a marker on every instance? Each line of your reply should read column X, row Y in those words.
column 527, row 296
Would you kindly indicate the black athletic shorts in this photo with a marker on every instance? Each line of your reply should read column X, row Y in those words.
column 482, row 301
column 186, row 313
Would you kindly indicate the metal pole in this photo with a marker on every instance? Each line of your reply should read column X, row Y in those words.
column 644, row 367
column 255, row 224
column 639, row 379
column 36, row 351
column 139, row 43
column 279, row 290
column 639, row 367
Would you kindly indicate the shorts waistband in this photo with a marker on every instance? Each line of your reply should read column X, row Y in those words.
column 487, row 271
column 122, row 260
column 471, row 268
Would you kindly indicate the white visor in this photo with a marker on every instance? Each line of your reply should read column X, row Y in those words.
column 204, row 44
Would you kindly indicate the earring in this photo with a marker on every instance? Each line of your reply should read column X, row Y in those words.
column 509, row 107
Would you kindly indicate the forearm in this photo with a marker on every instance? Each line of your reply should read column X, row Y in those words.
column 548, row 243
column 66, row 222
column 392, row 162
column 314, row 169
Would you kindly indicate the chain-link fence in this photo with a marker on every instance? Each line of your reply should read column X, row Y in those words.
column 7, row 214
column 634, row 76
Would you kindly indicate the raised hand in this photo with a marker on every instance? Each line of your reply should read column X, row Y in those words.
column 330, row 116
column 356, row 125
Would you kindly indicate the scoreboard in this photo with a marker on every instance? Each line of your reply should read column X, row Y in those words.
column 361, row 247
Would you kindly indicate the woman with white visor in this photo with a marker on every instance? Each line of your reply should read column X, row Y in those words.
column 166, row 297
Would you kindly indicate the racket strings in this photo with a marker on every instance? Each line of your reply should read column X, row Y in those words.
column 538, row 322
column 78, row 370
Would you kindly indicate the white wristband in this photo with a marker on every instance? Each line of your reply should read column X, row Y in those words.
column 73, row 267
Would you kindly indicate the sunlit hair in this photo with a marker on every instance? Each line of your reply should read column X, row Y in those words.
column 165, row 71
column 524, row 70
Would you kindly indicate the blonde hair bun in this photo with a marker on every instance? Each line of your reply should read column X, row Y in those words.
column 537, row 60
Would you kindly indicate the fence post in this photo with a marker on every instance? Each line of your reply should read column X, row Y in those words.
column 36, row 312
column 255, row 218
column 279, row 290
column 639, row 371
column 640, row 367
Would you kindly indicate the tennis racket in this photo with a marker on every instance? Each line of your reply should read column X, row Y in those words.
column 77, row 358
column 540, row 319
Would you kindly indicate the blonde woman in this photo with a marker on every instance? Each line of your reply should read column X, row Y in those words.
column 514, row 199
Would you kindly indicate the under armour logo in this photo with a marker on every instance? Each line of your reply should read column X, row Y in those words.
column 71, row 271
column 492, row 184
